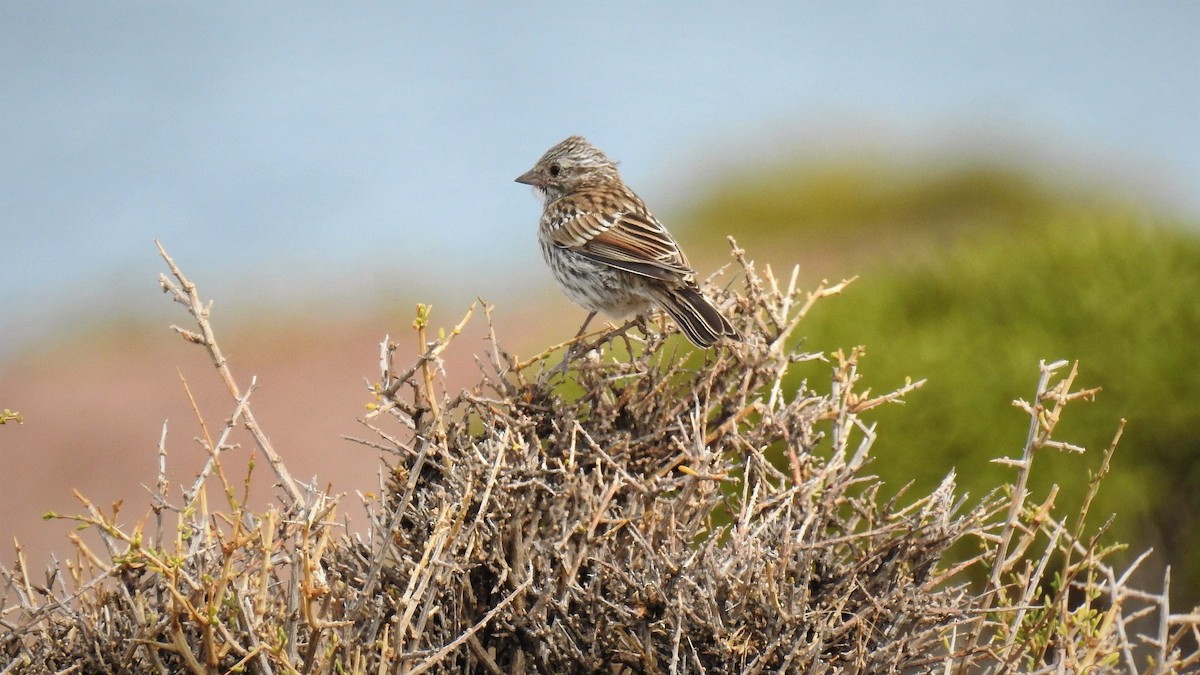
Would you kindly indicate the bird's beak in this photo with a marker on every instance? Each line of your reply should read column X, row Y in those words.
column 530, row 177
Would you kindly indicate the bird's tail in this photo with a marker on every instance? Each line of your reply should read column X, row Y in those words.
column 695, row 315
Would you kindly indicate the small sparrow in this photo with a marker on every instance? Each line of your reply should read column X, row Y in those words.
column 608, row 252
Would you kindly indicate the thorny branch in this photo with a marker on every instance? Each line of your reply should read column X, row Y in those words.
column 183, row 291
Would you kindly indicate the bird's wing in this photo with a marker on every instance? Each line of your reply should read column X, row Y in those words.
column 633, row 241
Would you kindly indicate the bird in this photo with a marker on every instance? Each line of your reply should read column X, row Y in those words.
column 606, row 249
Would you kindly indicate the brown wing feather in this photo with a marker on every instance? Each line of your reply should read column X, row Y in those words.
column 631, row 240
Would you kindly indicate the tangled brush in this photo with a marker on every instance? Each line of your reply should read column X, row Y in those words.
column 646, row 508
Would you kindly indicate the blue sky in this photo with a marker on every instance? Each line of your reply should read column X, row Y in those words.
column 342, row 151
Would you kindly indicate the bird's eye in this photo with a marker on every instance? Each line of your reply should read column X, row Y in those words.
column 555, row 170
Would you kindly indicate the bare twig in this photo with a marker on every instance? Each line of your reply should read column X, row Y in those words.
column 184, row 292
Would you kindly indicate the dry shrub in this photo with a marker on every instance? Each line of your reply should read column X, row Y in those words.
column 647, row 508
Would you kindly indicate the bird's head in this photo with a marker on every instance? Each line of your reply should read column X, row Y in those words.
column 572, row 165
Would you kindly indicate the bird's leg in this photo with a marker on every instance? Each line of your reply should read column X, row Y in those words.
column 574, row 344
column 583, row 328
column 642, row 324
column 638, row 321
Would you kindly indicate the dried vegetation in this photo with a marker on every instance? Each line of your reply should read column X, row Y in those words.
column 645, row 509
